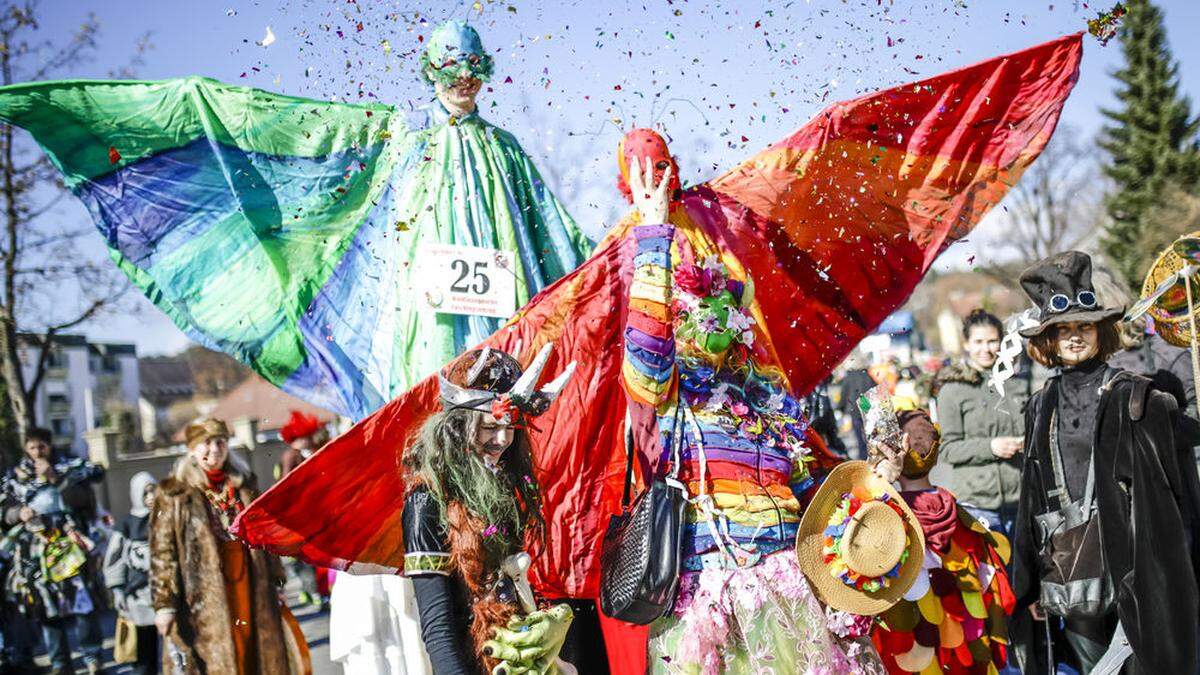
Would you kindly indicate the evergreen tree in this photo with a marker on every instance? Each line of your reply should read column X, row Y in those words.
column 1150, row 140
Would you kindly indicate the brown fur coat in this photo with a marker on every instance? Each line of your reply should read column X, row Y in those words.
column 185, row 574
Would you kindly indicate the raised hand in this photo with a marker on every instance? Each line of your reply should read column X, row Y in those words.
column 652, row 201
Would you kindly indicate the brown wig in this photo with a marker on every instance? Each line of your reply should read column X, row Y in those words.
column 1043, row 347
column 468, row 556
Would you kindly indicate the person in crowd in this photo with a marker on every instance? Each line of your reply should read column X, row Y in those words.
column 982, row 430
column 960, row 550
column 819, row 410
column 49, row 509
column 304, row 435
column 472, row 502
column 1102, row 566
column 1144, row 352
column 127, row 571
column 856, row 382
column 690, row 359
column 216, row 602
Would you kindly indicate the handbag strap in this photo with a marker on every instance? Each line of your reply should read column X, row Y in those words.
column 1060, row 494
column 625, row 496
column 672, row 478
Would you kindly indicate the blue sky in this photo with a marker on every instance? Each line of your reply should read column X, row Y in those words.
column 581, row 71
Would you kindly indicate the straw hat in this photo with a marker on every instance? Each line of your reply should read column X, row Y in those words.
column 865, row 561
column 1164, row 295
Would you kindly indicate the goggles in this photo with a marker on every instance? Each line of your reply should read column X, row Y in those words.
column 1060, row 303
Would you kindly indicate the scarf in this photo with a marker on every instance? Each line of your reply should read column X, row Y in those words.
column 937, row 511
column 223, row 497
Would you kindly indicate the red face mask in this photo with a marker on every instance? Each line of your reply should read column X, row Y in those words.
column 636, row 146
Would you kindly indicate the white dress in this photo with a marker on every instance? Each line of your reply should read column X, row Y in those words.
column 374, row 626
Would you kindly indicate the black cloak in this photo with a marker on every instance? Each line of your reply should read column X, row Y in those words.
column 1148, row 499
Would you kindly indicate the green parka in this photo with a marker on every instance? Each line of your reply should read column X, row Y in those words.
column 971, row 414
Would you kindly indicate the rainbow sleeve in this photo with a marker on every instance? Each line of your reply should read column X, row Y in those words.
column 648, row 370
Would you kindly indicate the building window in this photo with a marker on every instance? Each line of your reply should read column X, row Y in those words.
column 56, row 359
column 58, row 404
column 61, row 426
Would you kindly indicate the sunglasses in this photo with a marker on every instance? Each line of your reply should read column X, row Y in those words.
column 1060, row 303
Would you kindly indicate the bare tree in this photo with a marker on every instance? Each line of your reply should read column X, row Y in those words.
column 51, row 282
column 1055, row 206
column 1175, row 214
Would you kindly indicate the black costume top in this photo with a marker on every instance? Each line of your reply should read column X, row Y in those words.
column 1147, row 498
column 441, row 597
column 1079, row 394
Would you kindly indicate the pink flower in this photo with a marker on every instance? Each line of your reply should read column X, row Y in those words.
column 739, row 408
column 692, row 279
column 709, row 324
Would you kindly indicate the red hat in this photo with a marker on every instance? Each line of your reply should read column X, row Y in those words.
column 639, row 144
column 299, row 425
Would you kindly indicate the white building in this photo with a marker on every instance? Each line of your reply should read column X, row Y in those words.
column 85, row 384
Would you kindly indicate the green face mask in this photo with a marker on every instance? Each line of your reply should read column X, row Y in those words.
column 454, row 51
column 714, row 311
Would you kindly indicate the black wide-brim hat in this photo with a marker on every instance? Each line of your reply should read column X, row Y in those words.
column 1065, row 275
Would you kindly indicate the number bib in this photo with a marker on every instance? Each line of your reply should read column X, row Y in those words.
column 454, row 279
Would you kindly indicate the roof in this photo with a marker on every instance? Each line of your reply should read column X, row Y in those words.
column 114, row 348
column 64, row 340
column 165, row 377
column 258, row 399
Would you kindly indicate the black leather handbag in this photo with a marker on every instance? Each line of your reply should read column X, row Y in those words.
column 640, row 557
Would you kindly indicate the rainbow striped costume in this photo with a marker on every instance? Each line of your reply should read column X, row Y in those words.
column 742, row 452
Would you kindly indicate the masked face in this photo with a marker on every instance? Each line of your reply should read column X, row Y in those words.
column 636, row 146
column 714, row 313
column 1076, row 342
column 460, row 96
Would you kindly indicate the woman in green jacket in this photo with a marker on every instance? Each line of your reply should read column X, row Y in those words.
column 982, row 431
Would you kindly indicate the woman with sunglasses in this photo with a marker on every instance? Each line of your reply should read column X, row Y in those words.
column 1102, row 569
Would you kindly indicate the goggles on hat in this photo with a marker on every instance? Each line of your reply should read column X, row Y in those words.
column 1060, row 302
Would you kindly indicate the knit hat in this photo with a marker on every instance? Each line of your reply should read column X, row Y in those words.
column 299, row 425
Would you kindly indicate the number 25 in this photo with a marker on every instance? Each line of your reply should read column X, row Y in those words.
column 462, row 268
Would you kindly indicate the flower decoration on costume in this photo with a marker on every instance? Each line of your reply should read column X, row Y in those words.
column 836, row 529
column 505, row 410
column 710, row 308
column 847, row 625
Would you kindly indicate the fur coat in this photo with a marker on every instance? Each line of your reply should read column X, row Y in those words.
column 185, row 575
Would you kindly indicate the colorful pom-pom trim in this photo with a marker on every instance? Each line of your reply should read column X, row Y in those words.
column 836, row 528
